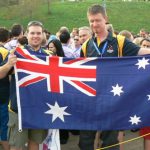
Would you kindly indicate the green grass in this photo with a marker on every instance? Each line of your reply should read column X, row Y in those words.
column 131, row 16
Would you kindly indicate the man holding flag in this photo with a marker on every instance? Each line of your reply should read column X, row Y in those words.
column 104, row 44
column 33, row 137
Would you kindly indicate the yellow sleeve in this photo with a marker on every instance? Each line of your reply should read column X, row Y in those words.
column 84, row 47
column 120, row 39
column 4, row 52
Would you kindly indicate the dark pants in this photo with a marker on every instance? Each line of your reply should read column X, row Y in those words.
column 3, row 121
column 64, row 134
column 86, row 141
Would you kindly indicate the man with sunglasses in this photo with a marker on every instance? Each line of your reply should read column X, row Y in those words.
column 77, row 47
column 33, row 137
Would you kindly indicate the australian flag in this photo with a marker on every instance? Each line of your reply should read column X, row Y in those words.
column 83, row 93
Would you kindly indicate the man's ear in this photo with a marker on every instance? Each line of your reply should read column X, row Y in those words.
column 106, row 19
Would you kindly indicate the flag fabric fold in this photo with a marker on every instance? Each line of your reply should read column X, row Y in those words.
column 83, row 93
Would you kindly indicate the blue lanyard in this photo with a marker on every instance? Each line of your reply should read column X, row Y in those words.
column 100, row 51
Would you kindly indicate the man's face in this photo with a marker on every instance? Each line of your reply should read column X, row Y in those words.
column 143, row 34
column 35, row 36
column 97, row 22
column 76, row 41
column 74, row 33
column 84, row 35
column 145, row 44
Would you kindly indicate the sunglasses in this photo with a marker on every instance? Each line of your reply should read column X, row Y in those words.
column 146, row 46
column 76, row 39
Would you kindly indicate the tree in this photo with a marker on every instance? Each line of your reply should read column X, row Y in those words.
column 48, row 6
column 13, row 2
column 22, row 9
column 28, row 7
column 3, row 3
column 6, row 3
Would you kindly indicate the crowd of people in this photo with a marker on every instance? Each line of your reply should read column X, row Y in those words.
column 99, row 39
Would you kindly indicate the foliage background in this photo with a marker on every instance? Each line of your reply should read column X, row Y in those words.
column 131, row 16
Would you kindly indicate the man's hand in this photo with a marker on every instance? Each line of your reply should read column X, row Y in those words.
column 12, row 59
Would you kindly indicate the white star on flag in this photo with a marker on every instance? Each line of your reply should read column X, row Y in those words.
column 135, row 120
column 148, row 97
column 142, row 63
column 117, row 90
column 57, row 112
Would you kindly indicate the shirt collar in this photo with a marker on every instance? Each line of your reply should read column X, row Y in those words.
column 109, row 38
column 29, row 47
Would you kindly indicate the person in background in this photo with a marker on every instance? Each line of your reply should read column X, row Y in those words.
column 48, row 34
column 84, row 34
column 62, row 29
column 127, row 34
column 109, row 27
column 4, row 91
column 44, row 41
column 69, row 53
column 22, row 41
column 65, row 41
column 75, row 31
column 16, row 32
column 55, row 48
column 137, row 40
column 143, row 33
column 146, row 44
column 77, row 47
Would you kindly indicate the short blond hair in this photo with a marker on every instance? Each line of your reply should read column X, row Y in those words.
column 96, row 9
